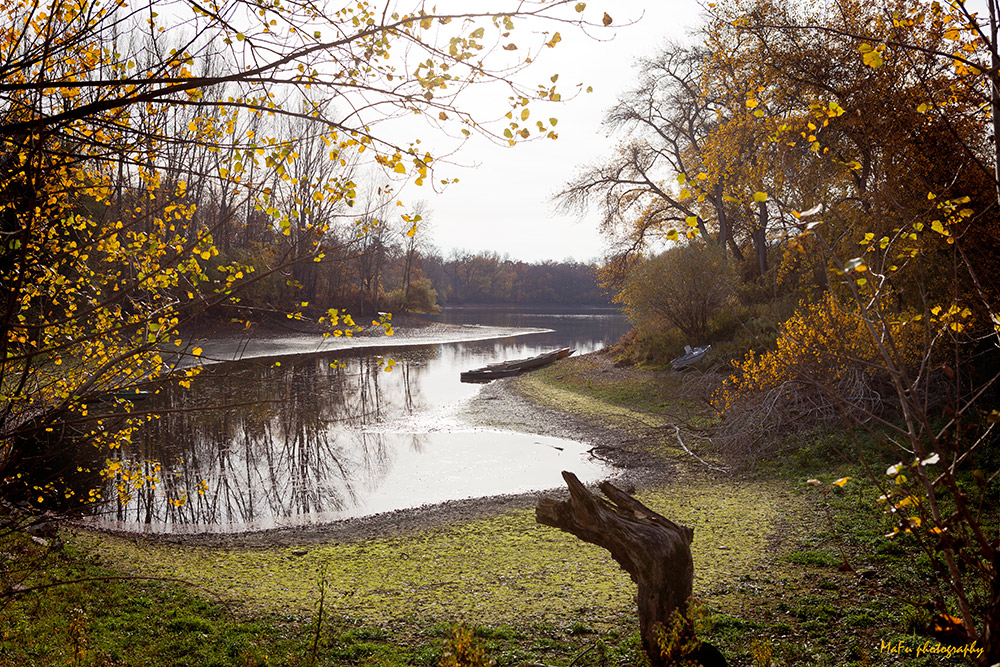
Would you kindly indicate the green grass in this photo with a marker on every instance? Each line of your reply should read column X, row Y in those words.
column 646, row 392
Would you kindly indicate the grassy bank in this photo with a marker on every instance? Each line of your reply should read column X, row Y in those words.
column 768, row 552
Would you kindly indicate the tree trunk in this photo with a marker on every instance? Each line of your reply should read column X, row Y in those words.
column 654, row 550
column 759, row 236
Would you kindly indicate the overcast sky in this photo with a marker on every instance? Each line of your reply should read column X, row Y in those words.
column 504, row 203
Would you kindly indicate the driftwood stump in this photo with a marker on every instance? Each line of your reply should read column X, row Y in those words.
column 654, row 550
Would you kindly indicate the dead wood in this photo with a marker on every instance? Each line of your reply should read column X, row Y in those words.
column 655, row 551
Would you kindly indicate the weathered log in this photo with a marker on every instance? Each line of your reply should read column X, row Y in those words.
column 655, row 551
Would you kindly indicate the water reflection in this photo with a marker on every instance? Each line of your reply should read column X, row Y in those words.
column 296, row 440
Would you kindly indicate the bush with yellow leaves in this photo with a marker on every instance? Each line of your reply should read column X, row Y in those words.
column 826, row 365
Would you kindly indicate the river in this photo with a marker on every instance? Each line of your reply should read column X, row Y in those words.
column 292, row 434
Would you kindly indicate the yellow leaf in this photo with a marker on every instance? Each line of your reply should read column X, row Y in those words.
column 196, row 351
column 841, row 482
column 672, row 235
column 760, row 196
column 870, row 56
column 400, row 168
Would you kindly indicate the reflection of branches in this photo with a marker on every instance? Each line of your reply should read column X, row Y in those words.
column 292, row 452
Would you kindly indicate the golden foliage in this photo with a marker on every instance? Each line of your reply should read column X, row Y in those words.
column 464, row 650
column 677, row 640
column 820, row 345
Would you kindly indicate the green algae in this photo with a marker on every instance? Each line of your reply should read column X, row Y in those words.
column 614, row 415
column 501, row 570
column 639, row 407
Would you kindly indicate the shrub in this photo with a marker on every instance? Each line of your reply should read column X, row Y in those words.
column 463, row 649
column 825, row 366
column 422, row 298
column 684, row 286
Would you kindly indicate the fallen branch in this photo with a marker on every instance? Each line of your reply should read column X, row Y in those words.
column 677, row 432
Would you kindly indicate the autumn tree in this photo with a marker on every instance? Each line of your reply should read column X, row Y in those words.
column 683, row 287
column 645, row 191
column 889, row 107
column 110, row 148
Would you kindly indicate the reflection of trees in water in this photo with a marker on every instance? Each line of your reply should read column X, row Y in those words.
column 250, row 444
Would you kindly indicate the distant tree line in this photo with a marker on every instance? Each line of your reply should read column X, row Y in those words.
column 375, row 260
column 490, row 278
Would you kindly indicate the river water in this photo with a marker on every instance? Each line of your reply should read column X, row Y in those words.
column 290, row 437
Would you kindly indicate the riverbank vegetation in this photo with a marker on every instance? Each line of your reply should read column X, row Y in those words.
column 824, row 181
column 769, row 552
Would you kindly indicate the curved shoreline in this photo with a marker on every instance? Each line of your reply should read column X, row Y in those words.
column 500, row 404
column 415, row 333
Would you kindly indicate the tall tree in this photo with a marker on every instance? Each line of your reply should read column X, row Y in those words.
column 649, row 189
column 103, row 251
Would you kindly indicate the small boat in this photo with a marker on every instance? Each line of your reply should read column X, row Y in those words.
column 514, row 367
column 690, row 356
column 126, row 395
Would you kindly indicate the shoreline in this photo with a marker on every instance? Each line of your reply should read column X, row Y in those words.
column 272, row 342
column 501, row 404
